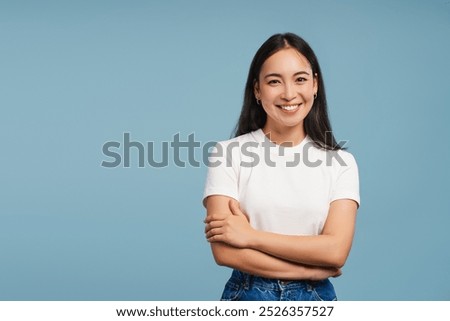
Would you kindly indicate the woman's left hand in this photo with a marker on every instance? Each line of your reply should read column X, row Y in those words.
column 234, row 229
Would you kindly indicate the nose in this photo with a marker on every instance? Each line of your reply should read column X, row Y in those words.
column 288, row 92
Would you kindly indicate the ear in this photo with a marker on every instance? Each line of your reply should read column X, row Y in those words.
column 256, row 89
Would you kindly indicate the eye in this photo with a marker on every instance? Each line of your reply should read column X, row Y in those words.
column 301, row 79
column 273, row 82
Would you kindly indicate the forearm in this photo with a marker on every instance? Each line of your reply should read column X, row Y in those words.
column 330, row 248
column 320, row 250
column 236, row 244
column 262, row 264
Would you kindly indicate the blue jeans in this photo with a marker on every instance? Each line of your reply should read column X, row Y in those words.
column 245, row 287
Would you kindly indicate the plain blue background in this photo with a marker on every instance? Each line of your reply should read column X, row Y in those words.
column 76, row 74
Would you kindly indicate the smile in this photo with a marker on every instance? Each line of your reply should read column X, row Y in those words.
column 289, row 107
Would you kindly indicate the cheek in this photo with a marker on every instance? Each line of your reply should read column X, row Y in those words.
column 270, row 92
column 266, row 109
column 307, row 93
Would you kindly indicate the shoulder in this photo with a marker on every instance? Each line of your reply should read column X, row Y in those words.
column 342, row 162
column 346, row 156
column 333, row 158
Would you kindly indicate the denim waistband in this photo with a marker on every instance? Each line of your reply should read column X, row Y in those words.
column 272, row 284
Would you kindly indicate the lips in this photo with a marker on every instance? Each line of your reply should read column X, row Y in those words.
column 289, row 108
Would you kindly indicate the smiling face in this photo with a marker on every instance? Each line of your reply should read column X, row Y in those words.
column 286, row 88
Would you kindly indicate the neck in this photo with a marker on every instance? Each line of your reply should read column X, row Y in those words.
column 286, row 136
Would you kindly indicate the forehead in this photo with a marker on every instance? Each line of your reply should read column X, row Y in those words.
column 285, row 61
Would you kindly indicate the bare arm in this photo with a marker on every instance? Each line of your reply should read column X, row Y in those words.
column 331, row 248
column 254, row 261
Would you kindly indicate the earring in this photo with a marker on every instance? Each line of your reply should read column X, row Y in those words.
column 258, row 101
column 315, row 95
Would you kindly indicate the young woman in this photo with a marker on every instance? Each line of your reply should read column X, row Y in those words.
column 282, row 196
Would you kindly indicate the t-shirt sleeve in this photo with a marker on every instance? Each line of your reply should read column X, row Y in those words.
column 222, row 174
column 346, row 184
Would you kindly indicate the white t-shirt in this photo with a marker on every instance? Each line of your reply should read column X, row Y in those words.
column 285, row 190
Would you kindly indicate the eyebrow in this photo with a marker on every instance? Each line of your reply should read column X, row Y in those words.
column 278, row 75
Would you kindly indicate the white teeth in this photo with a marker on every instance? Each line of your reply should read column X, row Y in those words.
column 289, row 107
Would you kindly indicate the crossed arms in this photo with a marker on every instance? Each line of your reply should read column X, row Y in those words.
column 236, row 244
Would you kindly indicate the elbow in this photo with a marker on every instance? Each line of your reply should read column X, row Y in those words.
column 333, row 262
column 337, row 258
column 219, row 259
column 219, row 254
column 339, row 262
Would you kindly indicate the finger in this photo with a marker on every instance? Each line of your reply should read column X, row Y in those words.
column 215, row 217
column 215, row 238
column 234, row 207
column 338, row 273
column 212, row 225
column 213, row 232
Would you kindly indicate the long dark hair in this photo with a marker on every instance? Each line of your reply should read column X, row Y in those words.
column 316, row 124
